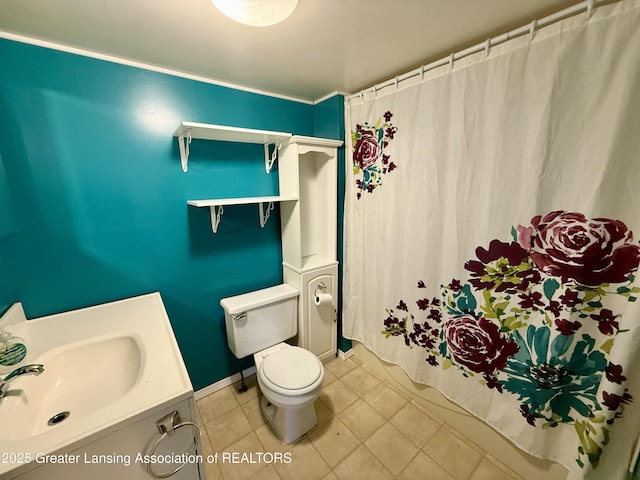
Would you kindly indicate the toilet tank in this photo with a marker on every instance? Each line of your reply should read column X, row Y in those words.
column 258, row 320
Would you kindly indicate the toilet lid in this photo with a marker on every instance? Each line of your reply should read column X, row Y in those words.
column 292, row 368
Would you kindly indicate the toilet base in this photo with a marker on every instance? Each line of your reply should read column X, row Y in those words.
column 289, row 423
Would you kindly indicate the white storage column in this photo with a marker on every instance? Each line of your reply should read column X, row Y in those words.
column 307, row 170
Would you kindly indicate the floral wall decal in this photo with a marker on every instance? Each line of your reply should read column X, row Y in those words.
column 370, row 162
column 537, row 319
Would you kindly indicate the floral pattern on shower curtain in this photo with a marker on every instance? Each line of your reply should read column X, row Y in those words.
column 370, row 162
column 516, row 323
column 489, row 246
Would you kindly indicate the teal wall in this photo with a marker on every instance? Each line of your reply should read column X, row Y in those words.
column 94, row 197
column 7, row 228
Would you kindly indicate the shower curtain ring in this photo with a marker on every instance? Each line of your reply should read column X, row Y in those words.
column 532, row 29
column 451, row 61
column 590, row 8
column 487, row 46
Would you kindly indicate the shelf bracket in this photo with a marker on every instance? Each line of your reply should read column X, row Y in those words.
column 216, row 213
column 269, row 160
column 184, row 149
column 264, row 214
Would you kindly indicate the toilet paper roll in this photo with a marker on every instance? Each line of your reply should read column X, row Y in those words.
column 323, row 299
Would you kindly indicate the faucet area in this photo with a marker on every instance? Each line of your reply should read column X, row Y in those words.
column 96, row 382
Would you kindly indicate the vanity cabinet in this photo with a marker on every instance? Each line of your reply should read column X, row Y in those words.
column 119, row 452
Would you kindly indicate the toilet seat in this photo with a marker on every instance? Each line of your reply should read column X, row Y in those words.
column 291, row 371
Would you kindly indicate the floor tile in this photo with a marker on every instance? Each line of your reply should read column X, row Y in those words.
column 456, row 456
column 416, row 425
column 463, row 439
column 340, row 367
column 367, row 428
column 267, row 473
column 361, row 419
column 337, row 396
column 227, row 429
column 488, row 470
column 239, row 469
column 306, row 463
column 216, row 404
column 422, row 405
column 385, row 401
column 323, row 413
column 212, row 471
column 361, row 464
column 360, row 381
column 423, row 466
column 328, row 379
column 503, row 467
column 205, row 444
column 253, row 413
column 334, row 441
column 199, row 420
column 270, row 440
column 391, row 448
column 253, row 391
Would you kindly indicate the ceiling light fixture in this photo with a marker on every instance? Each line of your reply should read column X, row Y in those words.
column 256, row 13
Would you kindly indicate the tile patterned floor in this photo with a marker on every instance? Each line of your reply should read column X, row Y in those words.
column 366, row 429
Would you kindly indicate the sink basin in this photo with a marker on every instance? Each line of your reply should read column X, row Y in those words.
column 108, row 366
column 78, row 379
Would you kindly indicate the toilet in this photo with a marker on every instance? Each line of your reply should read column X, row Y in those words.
column 290, row 377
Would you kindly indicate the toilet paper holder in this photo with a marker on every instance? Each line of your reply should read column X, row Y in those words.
column 321, row 286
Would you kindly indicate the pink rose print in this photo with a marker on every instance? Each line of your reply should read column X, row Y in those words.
column 591, row 252
column 478, row 344
column 370, row 160
column 366, row 150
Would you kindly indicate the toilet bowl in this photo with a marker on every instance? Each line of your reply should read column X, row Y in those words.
column 290, row 377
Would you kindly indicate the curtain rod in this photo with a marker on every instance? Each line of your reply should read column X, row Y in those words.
column 530, row 28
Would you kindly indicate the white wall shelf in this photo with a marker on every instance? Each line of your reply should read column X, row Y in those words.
column 216, row 206
column 307, row 182
column 186, row 131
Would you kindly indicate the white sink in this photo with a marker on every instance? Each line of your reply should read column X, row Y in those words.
column 78, row 379
column 107, row 366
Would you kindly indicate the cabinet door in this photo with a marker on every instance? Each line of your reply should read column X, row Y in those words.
column 321, row 327
column 119, row 454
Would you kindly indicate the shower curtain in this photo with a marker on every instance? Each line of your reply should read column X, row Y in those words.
column 492, row 219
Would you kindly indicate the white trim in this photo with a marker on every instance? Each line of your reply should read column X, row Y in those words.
column 345, row 355
column 225, row 382
column 330, row 95
column 145, row 66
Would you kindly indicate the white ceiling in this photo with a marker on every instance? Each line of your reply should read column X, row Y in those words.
column 325, row 46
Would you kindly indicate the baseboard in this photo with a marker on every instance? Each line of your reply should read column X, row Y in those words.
column 225, row 382
column 345, row 355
